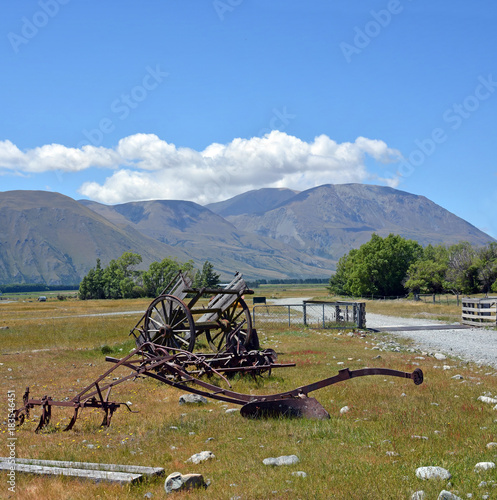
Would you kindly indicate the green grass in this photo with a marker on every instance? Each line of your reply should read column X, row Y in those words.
column 367, row 453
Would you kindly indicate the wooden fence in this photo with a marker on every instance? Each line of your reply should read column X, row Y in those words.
column 479, row 312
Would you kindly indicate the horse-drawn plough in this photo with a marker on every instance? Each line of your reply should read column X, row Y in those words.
column 165, row 338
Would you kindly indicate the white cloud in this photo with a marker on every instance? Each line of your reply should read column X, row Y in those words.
column 146, row 167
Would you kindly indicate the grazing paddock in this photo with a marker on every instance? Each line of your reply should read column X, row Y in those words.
column 370, row 452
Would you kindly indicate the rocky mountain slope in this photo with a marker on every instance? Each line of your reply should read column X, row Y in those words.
column 50, row 238
column 269, row 233
column 252, row 202
column 203, row 235
column 328, row 221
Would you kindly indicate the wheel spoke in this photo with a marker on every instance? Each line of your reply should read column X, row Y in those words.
column 180, row 340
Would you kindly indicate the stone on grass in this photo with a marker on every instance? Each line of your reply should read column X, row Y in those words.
column 283, row 460
column 457, row 377
column 432, row 472
column 299, row 473
column 344, row 410
column 440, row 356
column 484, row 466
column 201, row 457
column 177, row 481
column 192, row 399
column 418, row 495
column 486, row 399
column 232, row 410
column 447, row 495
column 492, row 445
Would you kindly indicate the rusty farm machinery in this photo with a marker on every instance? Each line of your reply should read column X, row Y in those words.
column 165, row 339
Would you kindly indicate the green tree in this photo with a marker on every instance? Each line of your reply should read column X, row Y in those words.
column 92, row 285
column 339, row 281
column 159, row 274
column 486, row 262
column 207, row 277
column 427, row 275
column 378, row 267
column 462, row 271
column 112, row 277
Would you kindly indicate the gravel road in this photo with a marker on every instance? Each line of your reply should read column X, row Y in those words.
column 472, row 344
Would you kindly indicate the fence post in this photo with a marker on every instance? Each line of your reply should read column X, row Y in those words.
column 305, row 313
column 289, row 319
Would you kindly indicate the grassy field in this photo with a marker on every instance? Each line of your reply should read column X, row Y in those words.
column 370, row 452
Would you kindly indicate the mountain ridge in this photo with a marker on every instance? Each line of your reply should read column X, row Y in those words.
column 270, row 233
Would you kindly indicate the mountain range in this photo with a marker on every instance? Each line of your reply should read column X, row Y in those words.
column 270, row 233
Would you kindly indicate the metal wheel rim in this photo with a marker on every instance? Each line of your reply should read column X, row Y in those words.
column 169, row 322
column 234, row 315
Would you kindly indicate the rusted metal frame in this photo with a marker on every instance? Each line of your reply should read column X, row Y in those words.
column 237, row 398
column 346, row 374
column 105, row 375
column 89, row 400
column 157, row 363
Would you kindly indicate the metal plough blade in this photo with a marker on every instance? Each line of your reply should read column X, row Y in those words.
column 302, row 407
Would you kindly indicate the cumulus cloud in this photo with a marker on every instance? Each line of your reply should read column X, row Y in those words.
column 146, row 167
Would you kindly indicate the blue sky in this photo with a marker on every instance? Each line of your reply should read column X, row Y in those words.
column 202, row 100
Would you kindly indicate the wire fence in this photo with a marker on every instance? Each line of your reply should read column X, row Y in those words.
column 427, row 298
column 312, row 314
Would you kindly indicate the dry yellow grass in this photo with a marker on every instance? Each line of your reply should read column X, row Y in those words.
column 367, row 453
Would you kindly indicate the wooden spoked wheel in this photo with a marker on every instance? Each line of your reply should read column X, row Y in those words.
column 237, row 315
column 168, row 322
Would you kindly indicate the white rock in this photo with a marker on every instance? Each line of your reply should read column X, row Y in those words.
column 173, row 482
column 201, row 457
column 486, row 399
column 491, row 445
column 232, row 410
column 440, row 356
column 418, row 495
column 283, row 460
column 432, row 472
column 192, row 399
column 457, row 377
column 299, row 473
column 177, row 481
column 447, row 495
column 344, row 410
column 484, row 466
column 447, row 367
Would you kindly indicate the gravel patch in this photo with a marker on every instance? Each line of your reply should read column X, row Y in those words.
column 478, row 345
column 472, row 344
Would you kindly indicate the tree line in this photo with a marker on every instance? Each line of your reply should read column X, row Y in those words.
column 395, row 266
column 121, row 279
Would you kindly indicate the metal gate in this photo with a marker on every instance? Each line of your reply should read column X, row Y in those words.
column 313, row 314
